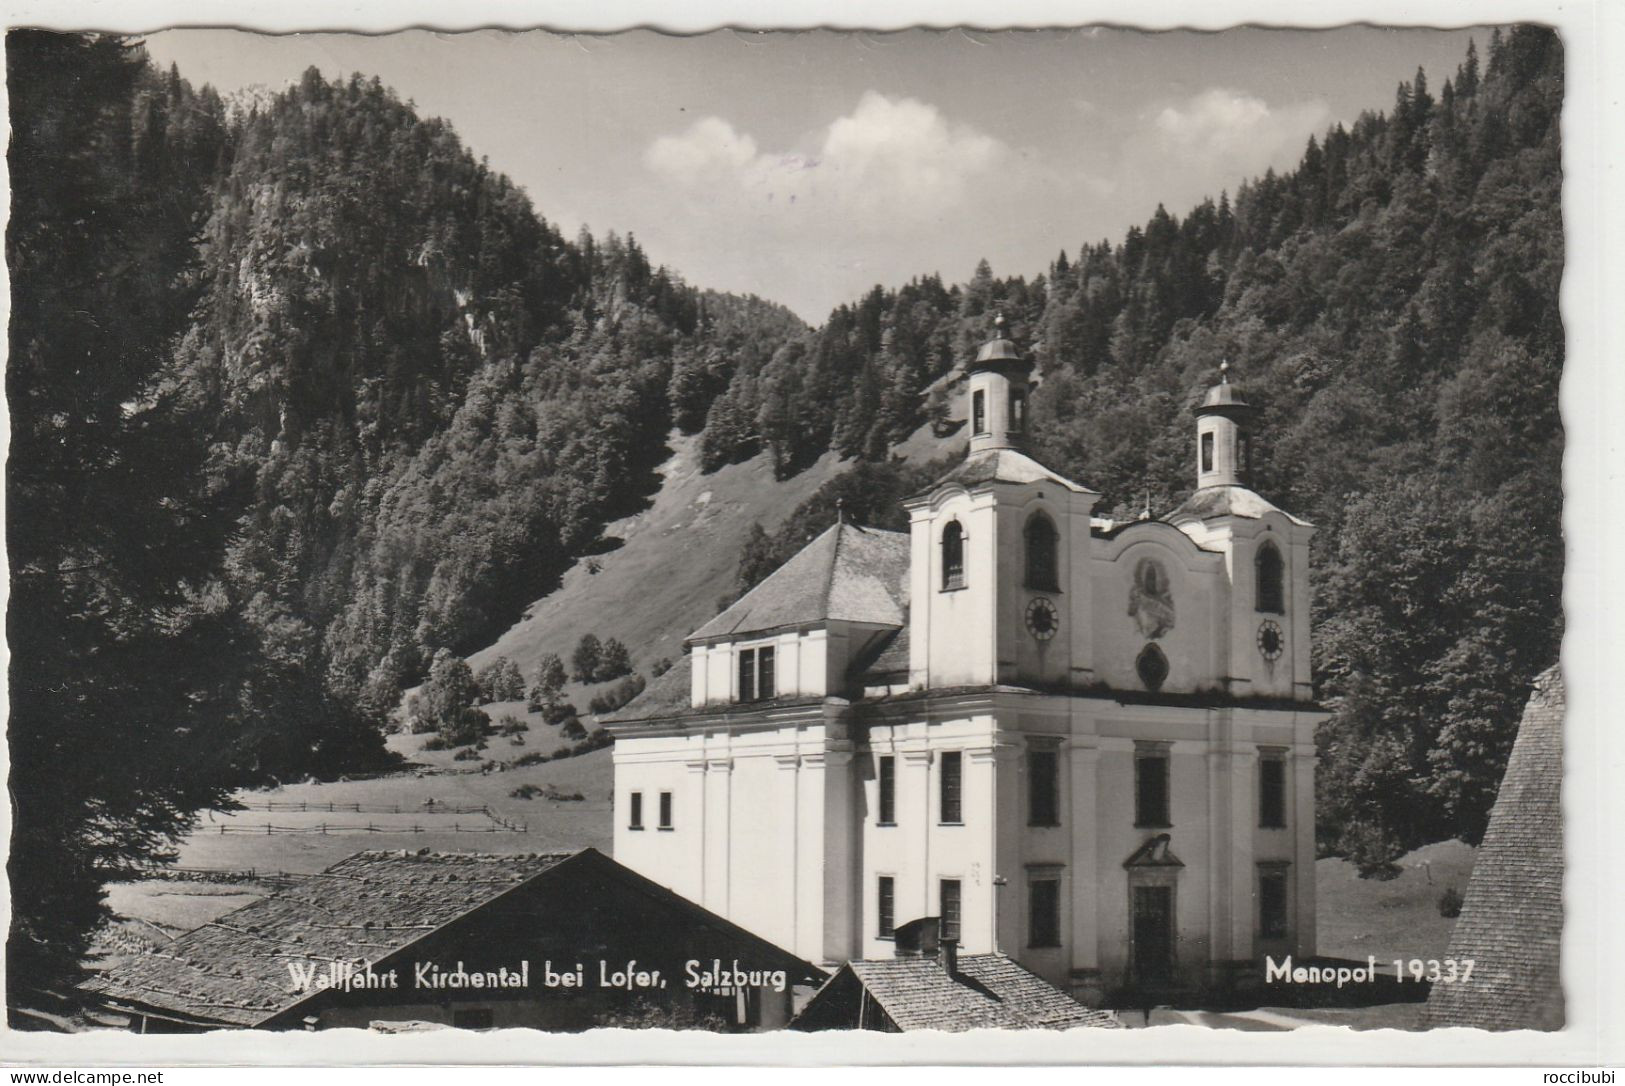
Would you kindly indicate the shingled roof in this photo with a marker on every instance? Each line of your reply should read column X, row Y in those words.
column 385, row 907
column 988, row 991
column 234, row 970
column 1511, row 921
column 848, row 573
column 1003, row 466
column 1211, row 502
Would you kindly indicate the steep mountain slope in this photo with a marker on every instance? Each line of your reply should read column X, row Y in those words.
column 665, row 569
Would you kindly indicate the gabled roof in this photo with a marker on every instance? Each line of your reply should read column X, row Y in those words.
column 375, row 906
column 234, row 970
column 1511, row 921
column 989, row 991
column 1003, row 466
column 849, row 573
column 1212, row 502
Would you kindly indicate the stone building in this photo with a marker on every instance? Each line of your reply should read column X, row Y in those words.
column 1085, row 744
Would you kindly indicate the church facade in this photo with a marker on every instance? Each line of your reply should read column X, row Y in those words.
column 1084, row 744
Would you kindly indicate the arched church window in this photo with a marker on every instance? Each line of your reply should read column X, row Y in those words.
column 1018, row 410
column 1152, row 667
column 978, row 412
column 1270, row 570
column 1041, row 544
column 953, row 556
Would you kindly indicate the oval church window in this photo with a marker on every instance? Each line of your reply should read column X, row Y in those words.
column 1152, row 666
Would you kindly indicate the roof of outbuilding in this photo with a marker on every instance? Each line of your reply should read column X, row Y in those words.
column 990, row 992
column 1211, row 502
column 1003, row 466
column 848, row 573
column 1511, row 921
column 235, row 969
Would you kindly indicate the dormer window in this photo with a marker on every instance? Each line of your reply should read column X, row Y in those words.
column 1041, row 566
column 756, row 673
column 1270, row 570
column 978, row 412
column 953, row 556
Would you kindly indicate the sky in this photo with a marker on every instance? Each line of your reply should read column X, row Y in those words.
column 805, row 167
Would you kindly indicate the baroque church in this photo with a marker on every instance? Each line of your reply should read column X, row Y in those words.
column 1084, row 744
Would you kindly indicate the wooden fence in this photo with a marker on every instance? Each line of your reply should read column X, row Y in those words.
column 496, row 825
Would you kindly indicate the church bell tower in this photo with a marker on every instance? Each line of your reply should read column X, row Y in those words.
column 1224, row 449
column 997, row 382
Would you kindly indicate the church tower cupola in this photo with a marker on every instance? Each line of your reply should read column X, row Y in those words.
column 998, row 394
column 1223, row 435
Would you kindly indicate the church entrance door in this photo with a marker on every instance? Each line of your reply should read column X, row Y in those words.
column 1153, row 935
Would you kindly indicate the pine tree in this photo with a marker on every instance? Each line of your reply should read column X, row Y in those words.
column 123, row 716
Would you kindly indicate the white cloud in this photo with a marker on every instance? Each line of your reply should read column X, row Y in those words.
column 1235, row 129
column 892, row 163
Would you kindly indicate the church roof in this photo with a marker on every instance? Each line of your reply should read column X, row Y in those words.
column 1004, row 466
column 989, row 991
column 1511, row 921
column 884, row 662
column 666, row 695
column 849, row 574
column 1212, row 502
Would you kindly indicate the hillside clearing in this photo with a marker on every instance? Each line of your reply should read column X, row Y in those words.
column 1398, row 918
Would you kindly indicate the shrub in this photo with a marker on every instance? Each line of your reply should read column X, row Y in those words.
column 1450, row 903
column 467, row 754
column 613, row 662
column 617, row 695
column 417, row 718
column 660, row 667
column 559, row 712
column 434, row 742
column 508, row 724
column 516, row 741
column 534, row 757
column 525, row 791
column 573, row 729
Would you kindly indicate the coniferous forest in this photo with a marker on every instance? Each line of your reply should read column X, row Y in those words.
column 303, row 393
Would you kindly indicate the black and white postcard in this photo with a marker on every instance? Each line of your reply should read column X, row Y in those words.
column 1057, row 531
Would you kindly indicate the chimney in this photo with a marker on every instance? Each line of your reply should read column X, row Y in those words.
column 950, row 957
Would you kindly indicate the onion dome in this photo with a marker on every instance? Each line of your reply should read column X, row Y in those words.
column 999, row 353
column 1224, row 398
